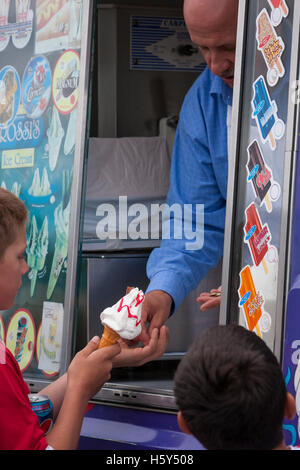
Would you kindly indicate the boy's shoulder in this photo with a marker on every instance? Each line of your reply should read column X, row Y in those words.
column 7, row 358
column 2, row 352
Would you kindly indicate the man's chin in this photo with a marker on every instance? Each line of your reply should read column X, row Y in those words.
column 229, row 81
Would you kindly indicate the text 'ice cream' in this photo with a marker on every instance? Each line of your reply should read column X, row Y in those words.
column 123, row 319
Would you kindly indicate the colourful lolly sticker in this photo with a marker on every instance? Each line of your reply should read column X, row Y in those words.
column 271, row 46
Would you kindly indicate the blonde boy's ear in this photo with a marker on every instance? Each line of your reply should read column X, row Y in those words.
column 182, row 423
column 290, row 407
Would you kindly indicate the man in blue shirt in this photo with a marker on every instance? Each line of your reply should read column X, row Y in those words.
column 199, row 162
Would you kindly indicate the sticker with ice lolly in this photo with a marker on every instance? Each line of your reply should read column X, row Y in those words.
column 271, row 47
column 270, row 127
column 257, row 236
column 260, row 176
column 24, row 26
column 123, row 320
column 251, row 301
column 4, row 31
column 21, row 337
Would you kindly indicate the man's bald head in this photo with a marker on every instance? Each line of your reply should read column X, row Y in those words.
column 211, row 12
column 212, row 26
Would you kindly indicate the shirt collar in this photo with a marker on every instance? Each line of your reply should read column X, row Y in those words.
column 218, row 87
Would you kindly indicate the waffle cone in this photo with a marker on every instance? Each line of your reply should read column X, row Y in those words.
column 108, row 338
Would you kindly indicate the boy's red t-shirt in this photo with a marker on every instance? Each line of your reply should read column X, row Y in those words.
column 19, row 425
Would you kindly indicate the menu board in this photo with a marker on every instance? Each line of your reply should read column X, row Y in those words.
column 258, row 212
column 40, row 45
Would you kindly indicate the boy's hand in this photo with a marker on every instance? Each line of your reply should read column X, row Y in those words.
column 91, row 368
column 137, row 356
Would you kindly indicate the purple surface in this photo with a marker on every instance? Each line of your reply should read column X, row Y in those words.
column 111, row 427
column 291, row 344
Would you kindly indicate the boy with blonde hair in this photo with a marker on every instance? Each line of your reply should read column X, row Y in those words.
column 89, row 370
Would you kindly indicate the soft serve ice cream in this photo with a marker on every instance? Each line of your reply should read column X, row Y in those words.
column 123, row 319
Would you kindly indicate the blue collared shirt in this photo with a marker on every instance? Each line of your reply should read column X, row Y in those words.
column 198, row 176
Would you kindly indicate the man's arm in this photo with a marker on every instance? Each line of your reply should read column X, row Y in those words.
column 179, row 264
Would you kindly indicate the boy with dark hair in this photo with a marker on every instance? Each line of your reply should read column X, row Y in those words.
column 231, row 393
column 89, row 370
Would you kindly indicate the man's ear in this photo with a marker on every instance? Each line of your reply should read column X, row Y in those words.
column 182, row 423
column 290, row 407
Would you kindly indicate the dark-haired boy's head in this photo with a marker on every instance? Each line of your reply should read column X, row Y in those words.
column 230, row 390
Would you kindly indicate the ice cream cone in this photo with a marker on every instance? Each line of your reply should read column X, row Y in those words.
column 122, row 320
column 108, row 338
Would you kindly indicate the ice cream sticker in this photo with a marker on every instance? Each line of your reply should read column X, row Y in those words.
column 260, row 177
column 20, row 337
column 61, row 219
column 55, row 135
column 66, row 81
column 37, row 249
column 21, row 30
column 75, row 23
column 251, row 302
column 23, row 27
column 9, row 95
column 36, row 86
column 49, row 346
column 4, row 29
column 15, row 188
column 50, row 372
column 257, row 236
column 279, row 11
column 270, row 127
column 71, row 133
column 40, row 191
column 271, row 47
